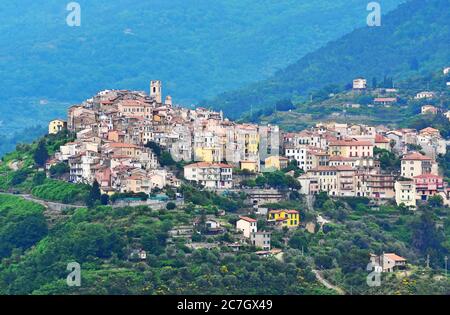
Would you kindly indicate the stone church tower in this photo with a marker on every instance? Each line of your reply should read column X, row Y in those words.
column 156, row 90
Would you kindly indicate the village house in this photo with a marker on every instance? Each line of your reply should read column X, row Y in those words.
column 359, row 84
column 269, row 141
column 284, row 218
column 382, row 142
column 415, row 164
column 247, row 226
column 405, row 193
column 334, row 180
column 261, row 239
column 56, row 126
column 429, row 109
column 351, row 148
column 210, row 175
column 428, row 185
column 258, row 197
column 385, row 101
column 389, row 262
column 276, row 162
column 424, row 95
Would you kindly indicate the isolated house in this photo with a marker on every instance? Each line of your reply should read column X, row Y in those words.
column 389, row 262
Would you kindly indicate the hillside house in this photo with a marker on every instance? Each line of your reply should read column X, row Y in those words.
column 405, row 193
column 424, row 95
column 261, row 240
column 284, row 218
column 56, row 126
column 385, row 101
column 389, row 262
column 247, row 226
column 210, row 175
column 359, row 84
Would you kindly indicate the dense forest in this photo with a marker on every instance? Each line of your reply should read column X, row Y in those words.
column 411, row 39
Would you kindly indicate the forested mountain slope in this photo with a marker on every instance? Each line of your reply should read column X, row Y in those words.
column 413, row 38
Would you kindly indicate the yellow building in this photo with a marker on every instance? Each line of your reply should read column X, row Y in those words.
column 210, row 155
column 285, row 218
column 276, row 162
column 351, row 148
column 56, row 126
column 251, row 166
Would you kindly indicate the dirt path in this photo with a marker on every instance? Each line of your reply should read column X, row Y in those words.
column 327, row 284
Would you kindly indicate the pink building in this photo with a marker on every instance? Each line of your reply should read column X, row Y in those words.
column 428, row 185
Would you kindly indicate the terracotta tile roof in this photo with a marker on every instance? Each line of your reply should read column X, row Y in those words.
column 429, row 130
column 339, row 158
column 394, row 257
column 415, row 156
column 247, row 219
column 380, row 139
column 350, row 143
column 333, row 168
column 123, row 145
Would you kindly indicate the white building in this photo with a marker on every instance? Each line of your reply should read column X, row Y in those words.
column 247, row 226
column 359, row 84
column 424, row 95
column 405, row 193
column 210, row 175
column 415, row 164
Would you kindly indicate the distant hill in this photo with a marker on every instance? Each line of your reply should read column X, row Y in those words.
column 413, row 38
column 348, row 106
column 199, row 47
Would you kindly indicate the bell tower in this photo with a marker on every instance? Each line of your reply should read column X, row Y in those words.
column 156, row 90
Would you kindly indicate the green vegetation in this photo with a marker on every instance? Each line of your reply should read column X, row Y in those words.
column 59, row 169
column 60, row 191
column 40, row 155
column 355, row 107
column 20, row 171
column 406, row 35
column 22, row 224
column 277, row 179
column 102, row 239
column 357, row 229
column 230, row 202
column 388, row 160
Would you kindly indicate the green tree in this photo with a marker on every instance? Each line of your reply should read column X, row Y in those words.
column 436, row 201
column 171, row 206
column 94, row 195
column 40, row 155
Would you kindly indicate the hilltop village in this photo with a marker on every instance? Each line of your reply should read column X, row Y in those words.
column 117, row 133
column 128, row 142
column 167, row 188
